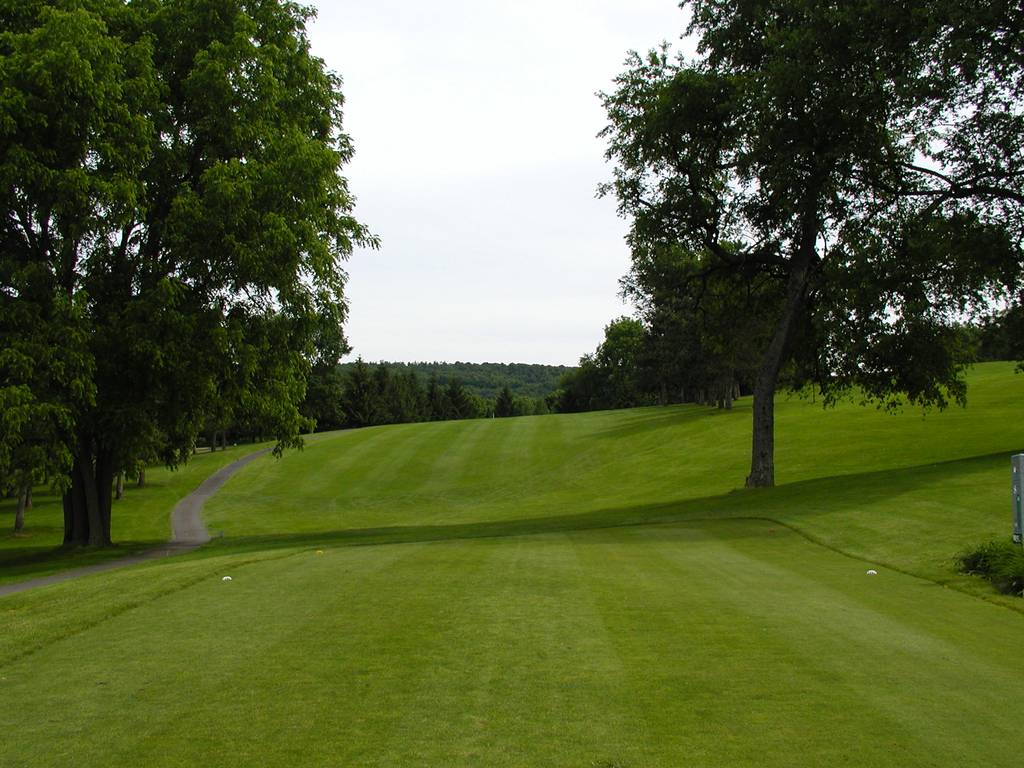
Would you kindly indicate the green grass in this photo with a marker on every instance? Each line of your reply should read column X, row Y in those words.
column 909, row 490
column 140, row 520
column 588, row 590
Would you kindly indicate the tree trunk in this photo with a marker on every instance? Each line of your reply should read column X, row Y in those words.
column 762, row 461
column 762, row 464
column 87, row 503
column 90, row 491
column 104, row 496
column 119, row 485
column 142, row 477
column 19, row 515
column 76, row 522
column 28, row 497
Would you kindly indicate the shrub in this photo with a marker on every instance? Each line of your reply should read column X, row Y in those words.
column 1000, row 561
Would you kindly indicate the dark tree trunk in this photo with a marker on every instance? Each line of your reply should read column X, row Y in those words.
column 142, row 477
column 762, row 464
column 23, row 500
column 119, row 485
column 90, row 491
column 28, row 496
column 87, row 503
column 762, row 461
column 76, row 522
column 104, row 496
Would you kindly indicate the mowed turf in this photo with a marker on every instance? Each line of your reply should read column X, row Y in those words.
column 569, row 591
column 725, row 644
column 910, row 490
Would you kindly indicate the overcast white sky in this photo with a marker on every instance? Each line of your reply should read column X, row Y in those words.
column 475, row 125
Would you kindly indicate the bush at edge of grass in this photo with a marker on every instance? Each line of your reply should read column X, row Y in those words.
column 999, row 561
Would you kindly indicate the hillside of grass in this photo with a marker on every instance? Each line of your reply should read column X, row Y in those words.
column 579, row 590
column 909, row 489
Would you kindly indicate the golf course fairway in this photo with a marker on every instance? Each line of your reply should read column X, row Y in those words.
column 590, row 590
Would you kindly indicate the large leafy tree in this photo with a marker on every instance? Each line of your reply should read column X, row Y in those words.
column 862, row 161
column 171, row 183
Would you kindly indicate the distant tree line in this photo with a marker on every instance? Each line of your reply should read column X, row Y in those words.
column 658, row 360
column 642, row 363
column 999, row 336
column 361, row 394
column 487, row 379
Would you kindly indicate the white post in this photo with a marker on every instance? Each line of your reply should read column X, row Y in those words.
column 1018, row 509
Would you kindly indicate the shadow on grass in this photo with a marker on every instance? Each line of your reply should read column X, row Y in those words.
column 35, row 561
column 792, row 502
column 655, row 418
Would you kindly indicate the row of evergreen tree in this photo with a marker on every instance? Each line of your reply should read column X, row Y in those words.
column 486, row 379
column 363, row 395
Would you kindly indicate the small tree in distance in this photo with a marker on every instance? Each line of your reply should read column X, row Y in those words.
column 504, row 405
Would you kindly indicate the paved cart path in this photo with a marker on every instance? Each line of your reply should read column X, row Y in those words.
column 188, row 532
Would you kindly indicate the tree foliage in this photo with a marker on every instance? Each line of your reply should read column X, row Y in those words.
column 504, row 405
column 172, row 189
column 847, row 178
column 488, row 379
column 394, row 393
column 1001, row 335
column 611, row 377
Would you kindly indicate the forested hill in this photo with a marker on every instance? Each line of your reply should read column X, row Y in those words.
column 487, row 379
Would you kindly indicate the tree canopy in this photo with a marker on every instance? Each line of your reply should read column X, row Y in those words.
column 611, row 377
column 847, row 176
column 174, row 209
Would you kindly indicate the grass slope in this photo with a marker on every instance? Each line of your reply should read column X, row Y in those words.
column 908, row 490
column 572, row 590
